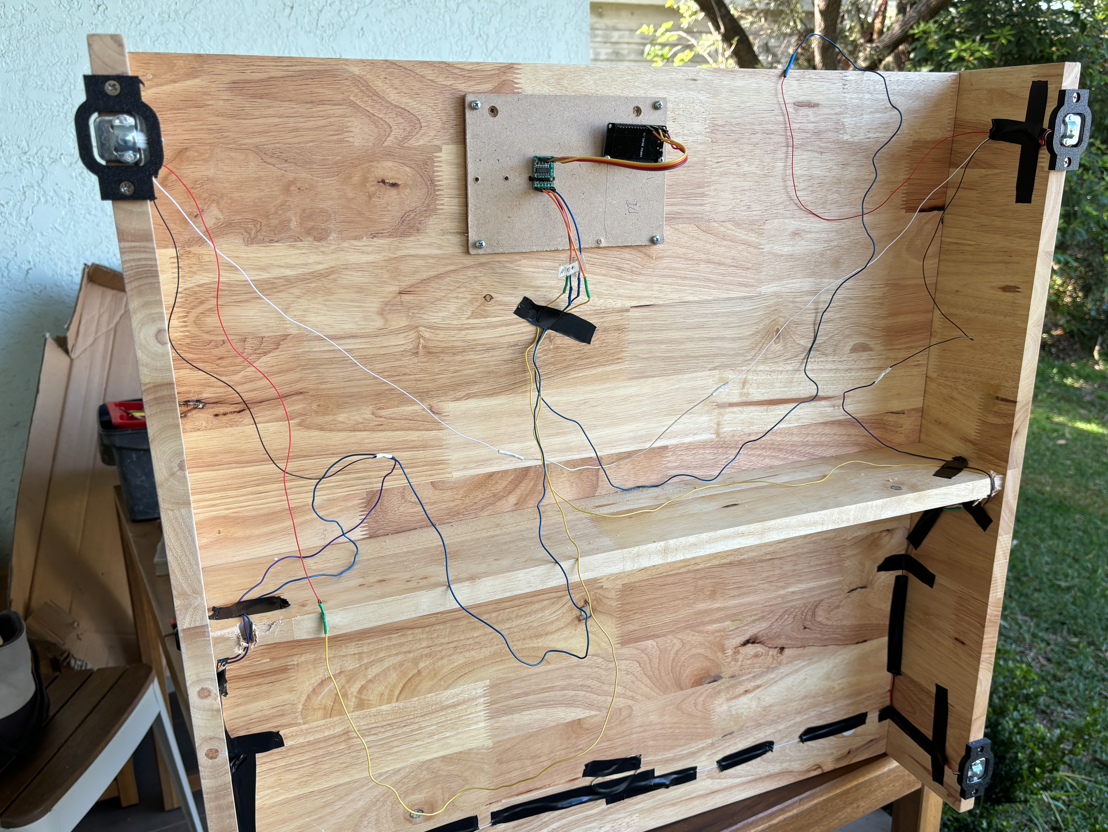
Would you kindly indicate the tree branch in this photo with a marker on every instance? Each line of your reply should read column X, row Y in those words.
column 826, row 19
column 731, row 31
column 886, row 44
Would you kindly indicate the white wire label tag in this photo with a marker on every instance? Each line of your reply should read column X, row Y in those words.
column 570, row 270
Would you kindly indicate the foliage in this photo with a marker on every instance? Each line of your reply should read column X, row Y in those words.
column 974, row 34
column 773, row 26
column 1048, row 712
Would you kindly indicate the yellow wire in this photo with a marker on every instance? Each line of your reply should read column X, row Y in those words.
column 824, row 478
column 589, row 611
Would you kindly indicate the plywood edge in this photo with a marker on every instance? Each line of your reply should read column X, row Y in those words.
column 708, row 523
column 138, row 254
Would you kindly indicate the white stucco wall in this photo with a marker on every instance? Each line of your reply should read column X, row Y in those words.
column 51, row 217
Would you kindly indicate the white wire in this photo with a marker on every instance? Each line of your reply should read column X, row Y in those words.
column 750, row 367
column 656, row 439
column 430, row 413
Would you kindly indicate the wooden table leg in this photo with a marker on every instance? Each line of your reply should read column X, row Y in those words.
column 920, row 811
column 150, row 648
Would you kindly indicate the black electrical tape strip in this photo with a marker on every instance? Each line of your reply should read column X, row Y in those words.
column 470, row 824
column 953, row 468
column 737, row 758
column 564, row 323
column 978, row 513
column 938, row 733
column 606, row 768
column 646, row 782
column 831, row 729
column 251, row 606
column 900, row 721
column 907, row 563
column 1026, row 134
column 896, row 624
column 242, row 757
column 550, row 803
column 923, row 527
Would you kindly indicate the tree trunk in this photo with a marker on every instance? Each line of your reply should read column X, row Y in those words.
column 734, row 36
column 827, row 24
column 885, row 45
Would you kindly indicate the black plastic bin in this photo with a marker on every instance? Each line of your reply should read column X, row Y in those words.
column 128, row 449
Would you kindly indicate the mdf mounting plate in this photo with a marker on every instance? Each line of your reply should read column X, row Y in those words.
column 613, row 206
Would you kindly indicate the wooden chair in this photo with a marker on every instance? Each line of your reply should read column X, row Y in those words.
column 97, row 719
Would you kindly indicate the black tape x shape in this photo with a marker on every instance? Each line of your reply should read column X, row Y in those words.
column 1028, row 134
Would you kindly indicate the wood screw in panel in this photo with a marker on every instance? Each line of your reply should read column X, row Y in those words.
column 479, row 244
column 658, row 105
column 475, row 105
column 112, row 88
column 418, row 813
column 655, row 239
column 896, row 488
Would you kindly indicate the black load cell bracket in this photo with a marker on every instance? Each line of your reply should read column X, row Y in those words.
column 1069, row 129
column 126, row 153
column 976, row 769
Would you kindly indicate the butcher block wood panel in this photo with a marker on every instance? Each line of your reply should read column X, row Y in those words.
column 335, row 191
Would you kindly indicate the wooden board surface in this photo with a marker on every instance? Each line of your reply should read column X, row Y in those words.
column 365, row 241
column 505, row 132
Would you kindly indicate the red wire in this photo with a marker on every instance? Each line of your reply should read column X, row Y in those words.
column 288, row 420
column 792, row 164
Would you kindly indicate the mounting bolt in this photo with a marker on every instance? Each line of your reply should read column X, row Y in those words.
column 655, row 239
column 658, row 105
column 112, row 88
column 475, row 105
column 1066, row 162
column 126, row 188
column 479, row 244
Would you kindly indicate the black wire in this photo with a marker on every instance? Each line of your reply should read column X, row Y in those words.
column 934, row 234
column 227, row 384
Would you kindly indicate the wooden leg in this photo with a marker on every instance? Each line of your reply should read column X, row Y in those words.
column 163, row 734
column 150, row 648
column 920, row 811
column 125, row 781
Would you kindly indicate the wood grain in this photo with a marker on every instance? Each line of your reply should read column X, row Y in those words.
column 737, row 616
column 993, row 275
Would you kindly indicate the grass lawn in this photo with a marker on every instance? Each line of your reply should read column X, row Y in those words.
column 1048, row 715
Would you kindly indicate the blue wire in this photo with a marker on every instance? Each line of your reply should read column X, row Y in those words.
column 342, row 532
column 464, row 608
column 320, row 551
column 565, row 204
column 819, row 324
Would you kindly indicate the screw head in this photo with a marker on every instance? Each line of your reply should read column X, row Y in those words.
column 128, row 157
column 475, row 105
column 658, row 105
column 655, row 239
column 126, row 188
column 896, row 488
column 418, row 813
column 123, row 120
column 1066, row 162
column 112, row 88
column 1076, row 97
column 479, row 244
